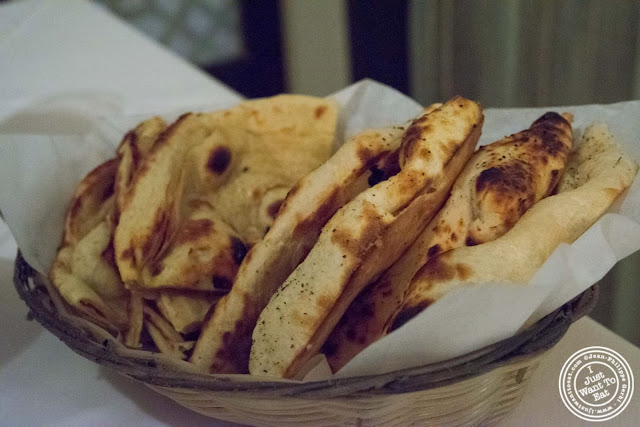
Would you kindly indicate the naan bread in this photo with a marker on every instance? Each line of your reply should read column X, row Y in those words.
column 90, row 203
column 172, row 197
column 133, row 149
column 501, row 181
column 279, row 141
column 164, row 336
column 363, row 238
column 185, row 312
column 225, row 341
column 150, row 216
column 92, row 262
column 135, row 307
column 597, row 173
column 204, row 253
column 84, row 271
column 213, row 183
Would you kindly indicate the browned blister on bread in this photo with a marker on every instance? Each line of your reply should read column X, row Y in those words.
column 223, row 346
column 364, row 238
column 499, row 183
column 596, row 174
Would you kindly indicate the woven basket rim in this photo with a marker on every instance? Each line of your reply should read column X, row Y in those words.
column 527, row 343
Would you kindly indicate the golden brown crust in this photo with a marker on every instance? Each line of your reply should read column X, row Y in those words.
column 133, row 149
column 87, row 205
column 597, row 173
column 224, row 344
column 211, row 185
column 363, row 238
column 500, row 182
column 83, row 271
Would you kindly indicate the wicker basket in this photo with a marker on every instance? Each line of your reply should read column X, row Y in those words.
column 479, row 387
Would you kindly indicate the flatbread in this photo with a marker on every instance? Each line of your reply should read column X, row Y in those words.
column 150, row 216
column 164, row 336
column 363, row 238
column 185, row 311
column 110, row 314
column 132, row 151
column 597, row 173
column 223, row 346
column 90, row 203
column 92, row 262
column 282, row 139
column 227, row 170
column 135, row 307
column 501, row 181
column 84, row 272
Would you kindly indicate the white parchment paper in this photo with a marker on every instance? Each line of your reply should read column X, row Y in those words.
column 46, row 150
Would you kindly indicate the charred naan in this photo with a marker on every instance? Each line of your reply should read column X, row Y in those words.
column 597, row 173
column 363, row 238
column 501, row 181
column 150, row 217
column 212, row 184
column 282, row 139
column 224, row 344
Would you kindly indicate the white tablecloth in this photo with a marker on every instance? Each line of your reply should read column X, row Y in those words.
column 53, row 47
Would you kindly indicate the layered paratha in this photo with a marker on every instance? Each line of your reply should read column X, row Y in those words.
column 84, row 271
column 184, row 201
column 212, row 184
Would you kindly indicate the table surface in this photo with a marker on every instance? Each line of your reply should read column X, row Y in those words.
column 44, row 382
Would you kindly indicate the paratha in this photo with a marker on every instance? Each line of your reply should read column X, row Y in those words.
column 132, row 151
column 185, row 312
column 84, row 271
column 226, row 168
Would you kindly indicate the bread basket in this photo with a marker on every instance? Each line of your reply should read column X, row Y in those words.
column 479, row 387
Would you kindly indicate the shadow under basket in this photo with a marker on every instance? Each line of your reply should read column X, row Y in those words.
column 479, row 387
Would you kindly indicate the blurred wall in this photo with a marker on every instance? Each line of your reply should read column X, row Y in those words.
column 316, row 41
column 205, row 32
column 518, row 53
